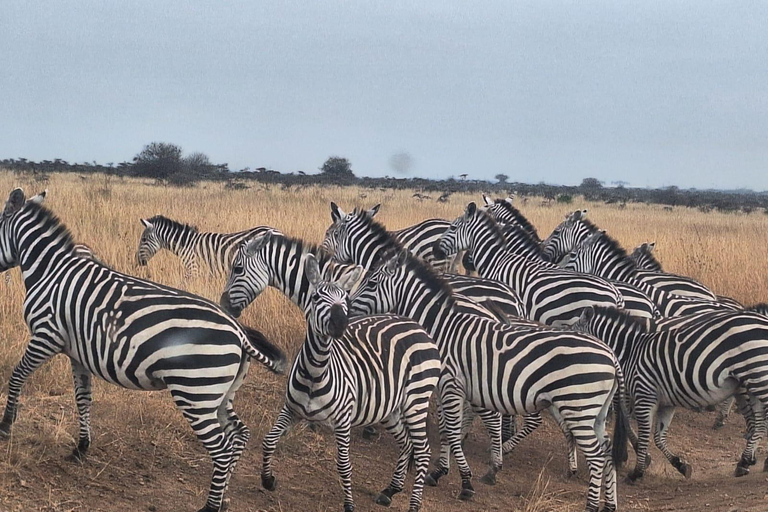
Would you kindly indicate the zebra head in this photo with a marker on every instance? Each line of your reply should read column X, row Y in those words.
column 617, row 329
column 377, row 293
column 501, row 210
column 644, row 259
column 9, row 256
column 149, row 243
column 585, row 256
column 458, row 235
column 328, row 309
column 249, row 275
column 342, row 236
column 565, row 237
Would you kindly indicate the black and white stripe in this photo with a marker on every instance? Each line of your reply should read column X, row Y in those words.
column 130, row 332
column 551, row 296
column 576, row 228
column 213, row 250
column 694, row 366
column 378, row 369
column 507, row 369
column 602, row 256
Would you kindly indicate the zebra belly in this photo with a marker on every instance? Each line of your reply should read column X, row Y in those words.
column 702, row 397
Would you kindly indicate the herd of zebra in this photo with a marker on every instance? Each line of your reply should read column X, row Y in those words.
column 570, row 324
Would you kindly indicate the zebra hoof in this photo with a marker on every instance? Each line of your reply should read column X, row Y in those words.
column 571, row 473
column 269, row 482
column 385, row 497
column 718, row 425
column 765, row 465
column 467, row 493
column 432, row 478
column 208, row 508
column 5, row 430
column 349, row 508
column 686, row 470
column 741, row 471
column 369, row 433
column 489, row 478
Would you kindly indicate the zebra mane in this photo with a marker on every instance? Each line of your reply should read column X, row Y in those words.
column 48, row 217
column 525, row 238
column 615, row 248
column 161, row 219
column 380, row 233
column 622, row 317
column 424, row 272
column 761, row 308
column 591, row 226
column 491, row 224
column 521, row 219
column 301, row 247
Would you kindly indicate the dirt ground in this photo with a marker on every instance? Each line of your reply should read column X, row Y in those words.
column 145, row 458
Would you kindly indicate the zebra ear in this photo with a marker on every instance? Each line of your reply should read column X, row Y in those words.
column 39, row 198
column 587, row 314
column 471, row 209
column 348, row 281
column 487, row 199
column 255, row 244
column 650, row 246
column 373, row 211
column 15, row 202
column 146, row 223
column 312, row 269
column 580, row 214
column 510, row 198
column 337, row 213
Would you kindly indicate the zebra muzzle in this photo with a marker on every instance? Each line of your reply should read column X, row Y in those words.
column 338, row 322
column 227, row 306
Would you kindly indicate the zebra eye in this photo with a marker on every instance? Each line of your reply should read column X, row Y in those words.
column 237, row 269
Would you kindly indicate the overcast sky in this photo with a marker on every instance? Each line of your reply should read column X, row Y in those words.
column 652, row 93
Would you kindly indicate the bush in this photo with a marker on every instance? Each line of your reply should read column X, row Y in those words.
column 565, row 198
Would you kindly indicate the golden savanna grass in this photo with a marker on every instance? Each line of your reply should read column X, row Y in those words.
column 724, row 251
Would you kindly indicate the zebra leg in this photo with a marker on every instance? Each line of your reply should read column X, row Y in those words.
column 754, row 415
column 492, row 422
column 416, row 423
column 396, row 427
column 664, row 417
column 591, row 440
column 281, row 426
column 573, row 461
column 39, row 350
column 508, row 427
column 723, row 410
column 211, row 433
column 83, row 399
column 444, row 461
column 343, row 464
column 452, row 411
column 233, row 426
column 644, row 412
column 530, row 423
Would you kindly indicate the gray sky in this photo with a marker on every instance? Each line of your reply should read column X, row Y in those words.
column 653, row 93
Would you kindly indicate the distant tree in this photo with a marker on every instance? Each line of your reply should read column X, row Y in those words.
column 337, row 168
column 158, row 160
column 401, row 163
column 502, row 178
column 591, row 184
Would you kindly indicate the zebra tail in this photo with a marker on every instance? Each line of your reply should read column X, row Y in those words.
column 260, row 349
column 619, row 450
column 497, row 312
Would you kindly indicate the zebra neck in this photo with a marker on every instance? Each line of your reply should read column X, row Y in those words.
column 314, row 359
column 41, row 255
column 486, row 249
column 286, row 273
column 423, row 305
column 181, row 242
column 367, row 249
column 615, row 269
column 626, row 342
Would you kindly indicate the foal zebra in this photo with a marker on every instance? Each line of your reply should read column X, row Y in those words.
column 378, row 369
column 215, row 250
column 508, row 369
column 551, row 295
column 576, row 228
column 130, row 332
column 694, row 366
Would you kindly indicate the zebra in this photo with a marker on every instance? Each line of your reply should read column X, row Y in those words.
column 508, row 369
column 576, row 228
column 643, row 257
column 520, row 242
column 356, row 237
column 375, row 369
column 601, row 255
column 504, row 212
column 193, row 247
column 693, row 366
column 551, row 295
column 130, row 332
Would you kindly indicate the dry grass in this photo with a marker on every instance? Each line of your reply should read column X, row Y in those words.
column 725, row 251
